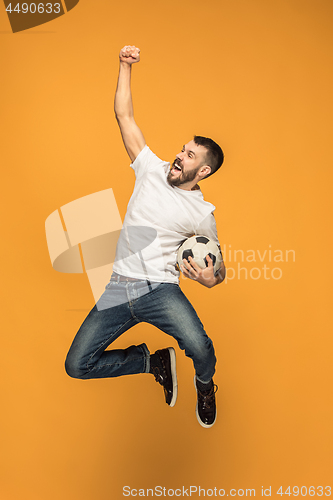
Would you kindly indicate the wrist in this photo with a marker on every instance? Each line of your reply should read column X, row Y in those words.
column 208, row 282
column 220, row 275
column 125, row 64
column 217, row 280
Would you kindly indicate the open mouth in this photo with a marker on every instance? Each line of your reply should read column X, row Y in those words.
column 176, row 167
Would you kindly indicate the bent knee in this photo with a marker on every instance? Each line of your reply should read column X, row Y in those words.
column 73, row 368
column 201, row 348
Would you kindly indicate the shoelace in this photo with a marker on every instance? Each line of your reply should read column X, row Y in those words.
column 207, row 397
column 157, row 374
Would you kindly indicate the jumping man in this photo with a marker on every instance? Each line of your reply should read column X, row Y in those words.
column 166, row 207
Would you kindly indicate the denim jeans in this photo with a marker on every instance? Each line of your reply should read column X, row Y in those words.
column 123, row 305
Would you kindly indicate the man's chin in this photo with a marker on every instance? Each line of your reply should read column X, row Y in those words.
column 174, row 181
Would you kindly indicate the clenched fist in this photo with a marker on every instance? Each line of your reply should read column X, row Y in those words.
column 129, row 54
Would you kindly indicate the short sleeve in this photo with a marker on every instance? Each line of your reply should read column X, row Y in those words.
column 145, row 161
column 207, row 227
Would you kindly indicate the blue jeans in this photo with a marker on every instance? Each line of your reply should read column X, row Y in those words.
column 123, row 305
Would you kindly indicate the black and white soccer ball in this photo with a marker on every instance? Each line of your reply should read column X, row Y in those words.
column 198, row 247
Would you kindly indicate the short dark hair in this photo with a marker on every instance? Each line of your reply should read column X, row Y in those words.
column 214, row 156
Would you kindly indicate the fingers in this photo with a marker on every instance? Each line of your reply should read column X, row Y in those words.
column 188, row 273
column 190, row 268
column 194, row 265
column 130, row 52
column 209, row 261
column 205, row 276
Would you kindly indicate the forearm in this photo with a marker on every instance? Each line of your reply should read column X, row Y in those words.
column 132, row 136
column 123, row 106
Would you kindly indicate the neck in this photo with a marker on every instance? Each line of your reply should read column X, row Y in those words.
column 189, row 186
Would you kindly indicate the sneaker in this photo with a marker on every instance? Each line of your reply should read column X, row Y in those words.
column 165, row 374
column 206, row 406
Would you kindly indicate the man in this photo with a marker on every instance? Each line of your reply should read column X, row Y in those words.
column 166, row 207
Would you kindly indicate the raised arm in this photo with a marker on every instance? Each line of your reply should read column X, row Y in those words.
column 132, row 136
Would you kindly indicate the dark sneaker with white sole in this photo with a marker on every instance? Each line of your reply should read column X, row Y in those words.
column 164, row 371
column 206, row 405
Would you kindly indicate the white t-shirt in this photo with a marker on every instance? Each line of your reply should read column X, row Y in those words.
column 159, row 218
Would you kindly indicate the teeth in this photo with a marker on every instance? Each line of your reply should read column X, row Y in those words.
column 176, row 166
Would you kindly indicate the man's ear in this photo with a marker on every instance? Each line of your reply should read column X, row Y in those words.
column 204, row 171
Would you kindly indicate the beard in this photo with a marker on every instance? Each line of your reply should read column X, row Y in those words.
column 183, row 177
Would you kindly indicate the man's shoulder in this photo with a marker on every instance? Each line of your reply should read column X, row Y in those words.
column 147, row 161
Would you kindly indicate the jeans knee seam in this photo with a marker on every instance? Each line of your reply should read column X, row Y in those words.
column 106, row 342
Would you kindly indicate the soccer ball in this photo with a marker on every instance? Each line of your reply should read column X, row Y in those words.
column 198, row 247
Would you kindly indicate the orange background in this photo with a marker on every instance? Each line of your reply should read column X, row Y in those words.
column 255, row 75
